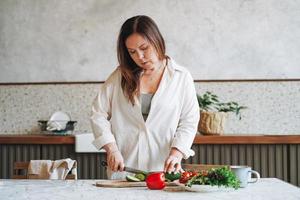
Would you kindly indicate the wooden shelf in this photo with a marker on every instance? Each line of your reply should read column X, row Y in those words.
column 247, row 139
column 36, row 139
column 199, row 139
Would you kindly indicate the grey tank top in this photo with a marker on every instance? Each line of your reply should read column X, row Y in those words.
column 146, row 104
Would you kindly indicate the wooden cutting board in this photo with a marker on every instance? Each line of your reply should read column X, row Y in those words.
column 124, row 184
column 119, row 184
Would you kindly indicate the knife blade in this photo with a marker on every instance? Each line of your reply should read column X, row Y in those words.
column 128, row 169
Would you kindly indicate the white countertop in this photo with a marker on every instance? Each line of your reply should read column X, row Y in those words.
column 265, row 188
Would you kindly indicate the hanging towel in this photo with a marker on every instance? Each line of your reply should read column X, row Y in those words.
column 61, row 168
column 39, row 169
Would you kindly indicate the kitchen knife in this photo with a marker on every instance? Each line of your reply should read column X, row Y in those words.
column 128, row 169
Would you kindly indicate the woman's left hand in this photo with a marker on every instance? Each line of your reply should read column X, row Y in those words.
column 173, row 161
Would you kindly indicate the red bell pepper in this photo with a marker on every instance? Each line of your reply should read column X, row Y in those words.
column 156, row 181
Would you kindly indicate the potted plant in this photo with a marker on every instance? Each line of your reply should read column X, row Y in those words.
column 213, row 113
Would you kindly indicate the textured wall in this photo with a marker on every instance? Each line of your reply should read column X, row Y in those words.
column 23, row 105
column 273, row 106
column 68, row 40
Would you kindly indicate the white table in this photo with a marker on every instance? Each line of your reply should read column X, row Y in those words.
column 265, row 188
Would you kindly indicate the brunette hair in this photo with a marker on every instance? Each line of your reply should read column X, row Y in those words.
column 130, row 71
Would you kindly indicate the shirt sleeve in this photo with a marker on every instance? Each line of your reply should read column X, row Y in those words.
column 101, row 113
column 189, row 119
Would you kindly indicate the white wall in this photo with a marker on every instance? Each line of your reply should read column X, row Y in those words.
column 68, row 40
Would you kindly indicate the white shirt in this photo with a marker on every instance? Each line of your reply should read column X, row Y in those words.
column 172, row 120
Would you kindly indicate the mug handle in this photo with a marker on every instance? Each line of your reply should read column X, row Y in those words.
column 257, row 176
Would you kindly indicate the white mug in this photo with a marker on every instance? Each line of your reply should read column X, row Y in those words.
column 243, row 173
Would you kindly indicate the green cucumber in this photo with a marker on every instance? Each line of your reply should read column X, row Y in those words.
column 172, row 176
column 132, row 178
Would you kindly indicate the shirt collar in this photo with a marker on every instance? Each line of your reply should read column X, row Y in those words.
column 172, row 67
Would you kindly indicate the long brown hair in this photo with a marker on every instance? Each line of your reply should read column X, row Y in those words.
column 130, row 71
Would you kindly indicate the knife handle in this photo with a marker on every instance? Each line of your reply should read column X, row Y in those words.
column 104, row 163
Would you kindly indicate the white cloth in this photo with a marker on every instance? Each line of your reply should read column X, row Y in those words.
column 47, row 169
column 61, row 168
column 39, row 169
column 172, row 121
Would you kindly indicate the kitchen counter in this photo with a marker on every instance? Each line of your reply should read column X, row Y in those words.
column 199, row 139
column 265, row 188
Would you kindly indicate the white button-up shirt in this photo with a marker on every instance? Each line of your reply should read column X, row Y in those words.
column 172, row 120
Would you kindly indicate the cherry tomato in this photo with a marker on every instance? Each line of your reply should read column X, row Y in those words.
column 185, row 176
column 204, row 172
column 194, row 174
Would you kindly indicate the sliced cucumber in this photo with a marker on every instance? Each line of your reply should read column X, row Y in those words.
column 132, row 178
column 140, row 176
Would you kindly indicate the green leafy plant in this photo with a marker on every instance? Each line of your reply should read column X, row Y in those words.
column 210, row 102
column 215, row 177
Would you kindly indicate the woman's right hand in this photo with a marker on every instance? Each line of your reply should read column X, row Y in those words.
column 115, row 159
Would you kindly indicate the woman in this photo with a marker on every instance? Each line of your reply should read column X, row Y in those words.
column 146, row 114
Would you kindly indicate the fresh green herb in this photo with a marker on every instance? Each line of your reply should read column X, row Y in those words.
column 210, row 102
column 215, row 177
